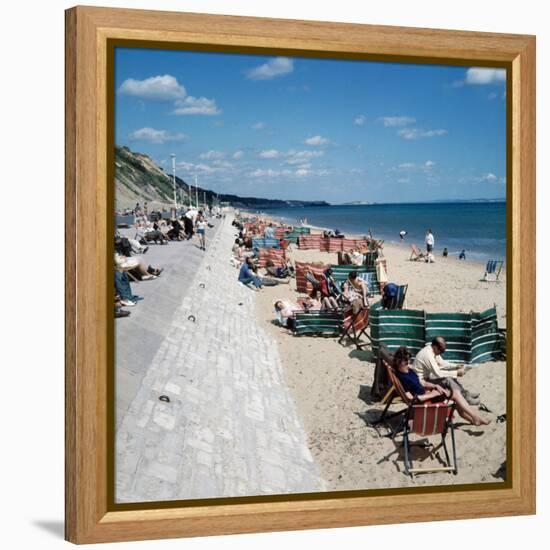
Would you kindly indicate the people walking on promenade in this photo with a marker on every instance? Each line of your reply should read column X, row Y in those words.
column 201, row 230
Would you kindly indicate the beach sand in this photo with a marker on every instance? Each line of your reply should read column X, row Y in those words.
column 330, row 383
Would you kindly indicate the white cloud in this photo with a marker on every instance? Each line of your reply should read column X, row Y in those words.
column 212, row 155
column 316, row 140
column 480, row 76
column 360, row 120
column 238, row 155
column 258, row 126
column 403, row 180
column 260, row 173
column 196, row 106
column 490, row 177
column 155, row 136
column 299, row 157
column 302, row 172
column 415, row 133
column 277, row 66
column 270, row 154
column 391, row 121
column 406, row 165
column 164, row 88
column 429, row 164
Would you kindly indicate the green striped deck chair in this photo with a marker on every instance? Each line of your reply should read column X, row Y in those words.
column 341, row 272
column 456, row 328
column 371, row 279
column 487, row 339
column 370, row 259
column 325, row 323
column 395, row 328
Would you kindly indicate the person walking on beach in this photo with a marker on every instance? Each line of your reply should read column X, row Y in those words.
column 201, row 231
column 462, row 255
column 402, row 234
column 430, row 241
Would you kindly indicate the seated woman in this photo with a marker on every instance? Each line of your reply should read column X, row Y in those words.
column 238, row 253
column 360, row 286
column 350, row 296
column 426, row 391
column 324, row 303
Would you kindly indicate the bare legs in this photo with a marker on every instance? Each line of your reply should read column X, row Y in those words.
column 465, row 411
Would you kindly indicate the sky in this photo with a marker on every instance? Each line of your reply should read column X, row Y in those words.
column 315, row 129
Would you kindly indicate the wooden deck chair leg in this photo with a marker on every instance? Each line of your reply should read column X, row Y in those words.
column 388, row 394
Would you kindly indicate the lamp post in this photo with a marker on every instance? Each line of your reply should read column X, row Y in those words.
column 174, row 180
column 196, row 193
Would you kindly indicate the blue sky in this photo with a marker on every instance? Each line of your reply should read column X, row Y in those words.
column 315, row 129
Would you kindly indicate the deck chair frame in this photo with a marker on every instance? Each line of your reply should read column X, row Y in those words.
column 408, row 429
column 353, row 332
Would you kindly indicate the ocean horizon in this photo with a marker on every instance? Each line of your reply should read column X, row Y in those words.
column 477, row 227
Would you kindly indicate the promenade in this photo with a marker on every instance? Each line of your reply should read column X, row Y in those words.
column 231, row 427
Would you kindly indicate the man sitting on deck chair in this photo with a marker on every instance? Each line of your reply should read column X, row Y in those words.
column 430, row 366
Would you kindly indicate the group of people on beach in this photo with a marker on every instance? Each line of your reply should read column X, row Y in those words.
column 429, row 378
column 150, row 229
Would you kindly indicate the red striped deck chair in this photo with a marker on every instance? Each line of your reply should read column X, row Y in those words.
column 302, row 284
column 429, row 419
column 416, row 254
column 355, row 326
column 279, row 232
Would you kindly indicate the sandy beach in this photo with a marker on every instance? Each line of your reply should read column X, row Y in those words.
column 330, row 382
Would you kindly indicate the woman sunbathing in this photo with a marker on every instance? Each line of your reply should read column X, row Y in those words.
column 285, row 313
column 427, row 391
column 324, row 302
column 360, row 286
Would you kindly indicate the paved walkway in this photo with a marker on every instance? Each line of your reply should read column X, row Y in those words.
column 231, row 427
column 139, row 336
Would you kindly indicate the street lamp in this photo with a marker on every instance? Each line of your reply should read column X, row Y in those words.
column 174, row 180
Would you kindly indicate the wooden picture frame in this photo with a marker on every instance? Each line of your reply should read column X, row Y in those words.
column 90, row 514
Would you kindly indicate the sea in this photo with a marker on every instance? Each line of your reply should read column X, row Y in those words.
column 478, row 228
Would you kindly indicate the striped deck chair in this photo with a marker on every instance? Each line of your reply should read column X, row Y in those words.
column 494, row 267
column 354, row 326
column 395, row 328
column 302, row 284
column 416, row 254
column 325, row 323
column 398, row 301
column 428, row 419
column 341, row 272
column 395, row 390
column 456, row 328
column 370, row 259
column 371, row 278
column 488, row 342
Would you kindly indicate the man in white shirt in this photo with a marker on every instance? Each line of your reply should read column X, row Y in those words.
column 269, row 232
column 430, row 241
column 430, row 366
